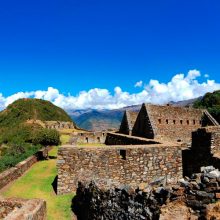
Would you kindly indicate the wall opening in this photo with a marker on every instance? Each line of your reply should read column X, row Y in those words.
column 123, row 154
column 159, row 120
column 167, row 121
column 87, row 140
column 98, row 139
column 181, row 122
column 194, row 122
column 174, row 122
column 187, row 122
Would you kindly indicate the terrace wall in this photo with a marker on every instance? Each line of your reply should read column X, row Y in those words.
column 13, row 173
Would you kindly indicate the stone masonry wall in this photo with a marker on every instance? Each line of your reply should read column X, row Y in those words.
column 13, row 173
column 113, row 166
column 167, row 122
column 204, row 150
column 14, row 209
column 90, row 137
column 123, row 139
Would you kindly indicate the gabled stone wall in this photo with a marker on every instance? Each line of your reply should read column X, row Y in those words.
column 59, row 125
column 167, row 122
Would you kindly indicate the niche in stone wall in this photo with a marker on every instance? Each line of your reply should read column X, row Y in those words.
column 123, row 154
column 98, row 139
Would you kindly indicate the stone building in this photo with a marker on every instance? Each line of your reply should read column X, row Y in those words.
column 130, row 161
column 89, row 137
column 169, row 122
column 59, row 125
column 155, row 151
column 127, row 122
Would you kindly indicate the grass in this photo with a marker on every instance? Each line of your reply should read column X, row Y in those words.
column 64, row 138
column 37, row 183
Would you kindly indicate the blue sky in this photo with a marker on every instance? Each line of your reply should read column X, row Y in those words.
column 80, row 45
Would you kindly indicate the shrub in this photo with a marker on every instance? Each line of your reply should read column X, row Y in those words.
column 15, row 153
column 46, row 137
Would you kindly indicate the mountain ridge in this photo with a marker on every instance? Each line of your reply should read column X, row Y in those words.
column 104, row 119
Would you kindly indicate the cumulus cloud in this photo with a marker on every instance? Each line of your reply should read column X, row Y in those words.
column 139, row 84
column 180, row 87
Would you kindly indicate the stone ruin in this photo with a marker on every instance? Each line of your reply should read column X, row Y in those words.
column 59, row 125
column 23, row 209
column 169, row 123
column 197, row 197
column 88, row 138
column 155, row 145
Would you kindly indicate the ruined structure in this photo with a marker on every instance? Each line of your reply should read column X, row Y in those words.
column 116, row 165
column 127, row 122
column 89, row 137
column 14, row 209
column 157, row 149
column 59, row 125
column 169, row 122
column 204, row 151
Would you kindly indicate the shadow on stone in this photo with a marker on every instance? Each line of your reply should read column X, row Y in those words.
column 54, row 184
column 52, row 157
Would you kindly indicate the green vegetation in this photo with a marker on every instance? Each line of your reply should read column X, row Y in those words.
column 25, row 109
column 64, row 138
column 15, row 154
column 211, row 101
column 16, row 133
column 38, row 184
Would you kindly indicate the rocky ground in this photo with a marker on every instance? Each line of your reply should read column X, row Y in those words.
column 197, row 197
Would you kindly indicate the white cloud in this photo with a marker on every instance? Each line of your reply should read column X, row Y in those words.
column 139, row 84
column 180, row 87
column 206, row 75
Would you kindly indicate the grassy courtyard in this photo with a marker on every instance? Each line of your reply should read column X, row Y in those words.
column 37, row 183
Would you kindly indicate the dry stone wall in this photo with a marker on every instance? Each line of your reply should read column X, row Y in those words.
column 204, row 150
column 122, row 139
column 13, row 173
column 17, row 209
column 90, row 137
column 167, row 122
column 113, row 166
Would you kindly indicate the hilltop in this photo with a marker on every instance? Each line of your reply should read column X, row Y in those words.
column 210, row 101
column 26, row 109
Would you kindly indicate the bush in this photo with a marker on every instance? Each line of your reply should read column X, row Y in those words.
column 46, row 137
column 15, row 153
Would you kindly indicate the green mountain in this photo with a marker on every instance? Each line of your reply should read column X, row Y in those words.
column 25, row 109
column 211, row 101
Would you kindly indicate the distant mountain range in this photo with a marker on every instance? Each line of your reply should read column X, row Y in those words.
column 96, row 120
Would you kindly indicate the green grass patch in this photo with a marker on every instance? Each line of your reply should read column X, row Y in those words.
column 37, row 183
column 64, row 138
